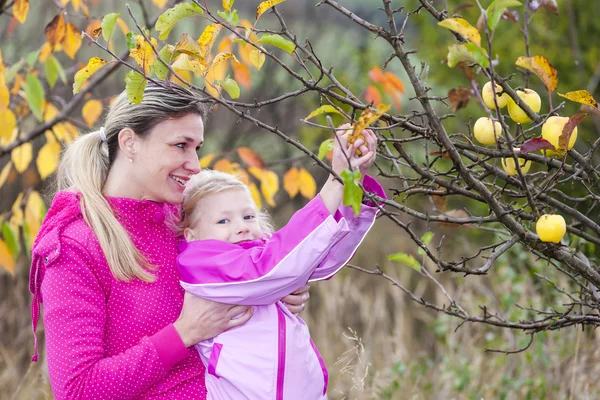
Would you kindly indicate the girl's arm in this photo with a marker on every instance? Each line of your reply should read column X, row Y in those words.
column 74, row 318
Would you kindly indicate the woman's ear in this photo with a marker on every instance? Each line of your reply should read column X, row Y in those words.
column 189, row 234
column 127, row 141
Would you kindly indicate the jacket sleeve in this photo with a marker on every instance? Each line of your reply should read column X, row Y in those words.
column 261, row 274
column 75, row 314
column 359, row 225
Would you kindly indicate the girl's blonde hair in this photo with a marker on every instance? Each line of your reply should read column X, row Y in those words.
column 209, row 182
column 86, row 163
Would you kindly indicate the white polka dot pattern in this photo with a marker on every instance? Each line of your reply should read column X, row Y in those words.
column 108, row 339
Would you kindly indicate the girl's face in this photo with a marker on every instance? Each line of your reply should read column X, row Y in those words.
column 229, row 216
column 166, row 159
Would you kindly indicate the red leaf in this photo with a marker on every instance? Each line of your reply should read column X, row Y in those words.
column 536, row 144
column 563, row 139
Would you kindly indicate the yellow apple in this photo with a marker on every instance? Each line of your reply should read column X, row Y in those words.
column 509, row 164
column 488, row 96
column 551, row 131
column 484, row 130
column 531, row 98
column 551, row 228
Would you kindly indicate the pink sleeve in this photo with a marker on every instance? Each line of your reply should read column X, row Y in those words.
column 343, row 251
column 74, row 318
column 264, row 272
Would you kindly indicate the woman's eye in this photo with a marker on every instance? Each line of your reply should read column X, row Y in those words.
column 180, row 145
column 222, row 221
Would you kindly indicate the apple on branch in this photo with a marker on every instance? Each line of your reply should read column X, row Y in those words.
column 551, row 228
column 508, row 164
column 551, row 131
column 531, row 98
column 487, row 94
column 487, row 131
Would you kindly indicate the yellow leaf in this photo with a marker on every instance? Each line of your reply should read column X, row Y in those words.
column 257, row 58
column 265, row 5
column 72, row 41
column 4, row 97
column 185, row 75
column 308, row 186
column 225, row 45
column 94, row 64
column 91, row 111
column 269, row 183
column 123, row 26
column 16, row 219
column 219, row 58
column 581, row 96
column 291, row 182
column 21, row 156
column 160, row 3
column 322, row 110
column 227, row 4
column 223, row 165
column 34, row 214
column 240, row 173
column 45, row 52
column 367, row 118
column 189, row 46
column 47, row 159
column 206, row 160
column 207, row 39
column 5, row 172
column 8, row 123
column 212, row 75
column 7, row 261
column 20, row 9
column 143, row 53
column 187, row 63
column 542, row 68
column 55, row 31
column 255, row 195
column 462, row 27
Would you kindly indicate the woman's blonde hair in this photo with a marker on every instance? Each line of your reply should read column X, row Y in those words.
column 86, row 163
column 209, row 182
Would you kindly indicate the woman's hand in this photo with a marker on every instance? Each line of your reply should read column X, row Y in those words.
column 296, row 302
column 202, row 319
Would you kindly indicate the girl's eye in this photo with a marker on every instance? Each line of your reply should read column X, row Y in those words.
column 249, row 217
column 222, row 221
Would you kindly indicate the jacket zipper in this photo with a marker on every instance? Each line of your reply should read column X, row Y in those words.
column 281, row 353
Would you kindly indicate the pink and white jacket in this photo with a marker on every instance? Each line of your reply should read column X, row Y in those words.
column 272, row 355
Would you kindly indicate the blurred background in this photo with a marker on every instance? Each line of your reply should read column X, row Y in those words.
column 377, row 343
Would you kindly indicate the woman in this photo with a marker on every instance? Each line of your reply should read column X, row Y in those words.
column 116, row 320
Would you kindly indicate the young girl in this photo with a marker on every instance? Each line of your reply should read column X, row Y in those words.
column 232, row 256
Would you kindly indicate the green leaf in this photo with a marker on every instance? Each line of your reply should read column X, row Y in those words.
column 12, row 240
column 131, row 40
column 160, row 69
column 53, row 71
column 231, row 87
column 323, row 110
column 167, row 21
column 12, row 71
column 426, row 238
column 231, row 17
column 108, row 25
column 469, row 53
column 32, row 57
column 352, row 192
column 325, row 148
column 406, row 259
column 135, row 84
column 34, row 93
column 496, row 9
column 278, row 41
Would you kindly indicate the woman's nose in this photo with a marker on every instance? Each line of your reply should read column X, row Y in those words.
column 192, row 164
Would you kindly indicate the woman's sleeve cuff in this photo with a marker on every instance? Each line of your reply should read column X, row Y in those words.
column 169, row 346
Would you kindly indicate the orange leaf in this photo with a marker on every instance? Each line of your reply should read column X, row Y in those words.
column 372, row 94
column 223, row 165
column 92, row 28
column 55, row 31
column 367, row 117
column 91, row 111
column 542, row 68
column 376, row 75
column 123, row 26
column 308, row 186
column 250, row 157
column 7, row 261
column 20, row 9
column 242, row 75
column 291, row 182
column 394, row 81
column 240, row 173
